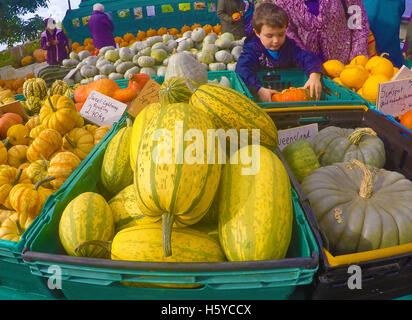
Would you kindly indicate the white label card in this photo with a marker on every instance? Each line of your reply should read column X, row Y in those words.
column 288, row 136
column 102, row 110
column 395, row 97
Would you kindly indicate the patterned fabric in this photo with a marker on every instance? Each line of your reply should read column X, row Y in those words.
column 372, row 45
column 327, row 34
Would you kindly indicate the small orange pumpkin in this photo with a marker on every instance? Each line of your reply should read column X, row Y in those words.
column 44, row 145
column 406, row 119
column 100, row 133
column 17, row 155
column 61, row 167
column 292, row 94
column 79, row 141
column 151, row 33
column 141, row 35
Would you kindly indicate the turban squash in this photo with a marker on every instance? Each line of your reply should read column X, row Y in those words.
column 359, row 207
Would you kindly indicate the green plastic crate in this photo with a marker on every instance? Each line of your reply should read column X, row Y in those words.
column 15, row 276
column 89, row 278
column 236, row 82
column 333, row 94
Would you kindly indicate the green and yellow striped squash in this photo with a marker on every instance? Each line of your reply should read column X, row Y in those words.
column 169, row 185
column 139, row 125
column 36, row 87
column 255, row 211
column 175, row 90
column 230, row 109
column 126, row 212
column 87, row 217
column 144, row 243
column 116, row 173
column 301, row 158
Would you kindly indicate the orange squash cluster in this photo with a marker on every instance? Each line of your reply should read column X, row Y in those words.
column 15, row 85
column 129, row 38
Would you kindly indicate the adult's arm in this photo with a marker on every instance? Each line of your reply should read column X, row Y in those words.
column 107, row 22
column 43, row 43
column 221, row 13
column 247, row 67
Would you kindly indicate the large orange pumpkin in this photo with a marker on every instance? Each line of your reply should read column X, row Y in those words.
column 39, row 55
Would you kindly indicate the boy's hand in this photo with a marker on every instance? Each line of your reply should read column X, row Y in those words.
column 265, row 95
column 314, row 84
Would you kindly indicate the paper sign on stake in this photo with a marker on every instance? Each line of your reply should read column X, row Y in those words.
column 395, row 97
column 148, row 95
column 102, row 110
column 288, row 136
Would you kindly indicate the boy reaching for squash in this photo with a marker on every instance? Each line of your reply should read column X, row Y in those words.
column 270, row 48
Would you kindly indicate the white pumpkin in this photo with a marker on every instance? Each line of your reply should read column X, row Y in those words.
column 223, row 43
column 198, row 34
column 236, row 51
column 217, row 66
column 148, row 70
column 146, row 62
column 126, row 54
column 205, row 57
column 223, row 56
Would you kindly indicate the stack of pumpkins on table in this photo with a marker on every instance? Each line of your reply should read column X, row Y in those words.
column 152, row 55
column 194, row 210
column 38, row 156
column 358, row 205
column 129, row 39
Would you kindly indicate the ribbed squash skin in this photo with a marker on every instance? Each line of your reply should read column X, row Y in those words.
column 87, row 217
column 230, row 109
column 116, row 173
column 301, row 158
column 185, row 191
column 126, row 212
column 144, row 243
column 174, row 90
column 255, row 211
column 139, row 125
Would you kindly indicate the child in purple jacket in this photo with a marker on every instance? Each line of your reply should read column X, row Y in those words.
column 55, row 41
column 269, row 49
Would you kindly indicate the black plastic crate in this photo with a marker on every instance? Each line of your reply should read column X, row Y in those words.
column 385, row 278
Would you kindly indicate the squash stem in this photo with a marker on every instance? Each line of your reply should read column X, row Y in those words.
column 357, row 135
column 70, row 141
column 366, row 187
column 20, row 230
column 167, row 225
column 16, row 181
column 47, row 179
column 51, row 104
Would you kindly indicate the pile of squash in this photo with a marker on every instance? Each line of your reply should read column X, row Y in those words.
column 38, row 156
column 362, row 74
column 129, row 38
column 183, row 211
column 359, row 205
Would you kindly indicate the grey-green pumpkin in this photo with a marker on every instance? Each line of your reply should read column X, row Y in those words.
column 360, row 208
column 334, row 144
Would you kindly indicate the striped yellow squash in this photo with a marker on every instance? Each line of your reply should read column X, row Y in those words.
column 167, row 183
column 139, row 125
column 116, row 173
column 255, row 211
column 175, row 90
column 87, row 217
column 230, row 109
column 126, row 212
column 144, row 243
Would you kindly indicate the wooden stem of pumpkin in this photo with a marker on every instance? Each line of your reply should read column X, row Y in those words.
column 70, row 141
column 51, row 104
column 20, row 230
column 357, row 135
column 16, row 181
column 107, row 245
column 167, row 225
column 47, row 179
column 366, row 187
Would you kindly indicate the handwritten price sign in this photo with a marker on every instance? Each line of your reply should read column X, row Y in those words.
column 148, row 95
column 102, row 110
column 395, row 97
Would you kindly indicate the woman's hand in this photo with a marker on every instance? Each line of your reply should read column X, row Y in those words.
column 265, row 95
column 314, row 84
